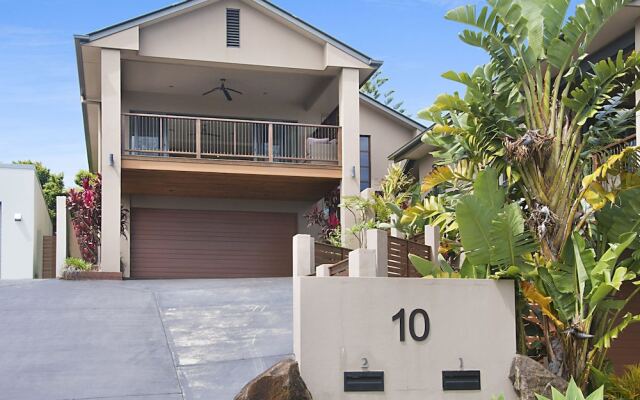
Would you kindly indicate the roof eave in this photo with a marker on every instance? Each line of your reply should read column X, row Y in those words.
column 79, row 41
column 183, row 5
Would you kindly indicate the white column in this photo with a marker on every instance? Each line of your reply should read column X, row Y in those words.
column 637, row 45
column 61, row 234
column 110, row 160
column 362, row 263
column 377, row 241
column 303, row 255
column 323, row 271
column 349, row 111
column 432, row 239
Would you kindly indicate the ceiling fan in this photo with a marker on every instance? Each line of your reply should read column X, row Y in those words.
column 224, row 90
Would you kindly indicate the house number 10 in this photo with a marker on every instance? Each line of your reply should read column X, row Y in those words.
column 412, row 324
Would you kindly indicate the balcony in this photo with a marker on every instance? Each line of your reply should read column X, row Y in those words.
column 215, row 139
column 228, row 158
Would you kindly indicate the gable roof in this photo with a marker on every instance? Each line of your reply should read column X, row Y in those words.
column 186, row 4
column 409, row 147
column 391, row 112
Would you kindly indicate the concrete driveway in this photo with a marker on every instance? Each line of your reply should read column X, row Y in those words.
column 137, row 340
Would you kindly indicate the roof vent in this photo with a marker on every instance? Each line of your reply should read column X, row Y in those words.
column 233, row 27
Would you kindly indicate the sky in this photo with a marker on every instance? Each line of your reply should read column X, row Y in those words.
column 40, row 114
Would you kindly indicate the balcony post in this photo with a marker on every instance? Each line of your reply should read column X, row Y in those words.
column 235, row 143
column 270, row 142
column 198, row 138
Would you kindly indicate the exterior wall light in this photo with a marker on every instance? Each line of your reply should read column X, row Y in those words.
column 17, row 217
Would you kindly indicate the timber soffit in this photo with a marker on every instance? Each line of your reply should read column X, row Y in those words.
column 186, row 4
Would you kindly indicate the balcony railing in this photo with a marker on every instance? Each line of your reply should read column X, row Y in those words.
column 229, row 139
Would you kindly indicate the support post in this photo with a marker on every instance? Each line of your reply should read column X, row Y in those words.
column 349, row 114
column 432, row 239
column 110, row 160
column 303, row 255
column 61, row 234
column 377, row 241
column 323, row 271
column 362, row 263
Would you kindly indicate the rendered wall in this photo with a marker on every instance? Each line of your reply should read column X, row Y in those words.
column 201, row 35
column 340, row 321
column 387, row 135
column 21, row 241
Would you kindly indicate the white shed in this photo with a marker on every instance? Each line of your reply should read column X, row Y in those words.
column 24, row 222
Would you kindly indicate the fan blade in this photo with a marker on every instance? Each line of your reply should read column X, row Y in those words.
column 226, row 94
column 210, row 91
column 233, row 90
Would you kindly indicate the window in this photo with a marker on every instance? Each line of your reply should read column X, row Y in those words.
column 365, row 162
column 233, row 27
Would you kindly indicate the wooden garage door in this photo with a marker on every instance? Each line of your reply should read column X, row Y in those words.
column 210, row 244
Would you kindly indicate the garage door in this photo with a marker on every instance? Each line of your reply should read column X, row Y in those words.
column 210, row 244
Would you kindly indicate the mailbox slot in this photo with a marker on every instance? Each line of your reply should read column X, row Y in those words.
column 364, row 381
column 460, row 380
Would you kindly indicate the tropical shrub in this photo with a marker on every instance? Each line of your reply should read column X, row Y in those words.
column 77, row 264
column 85, row 206
column 326, row 218
column 574, row 393
column 384, row 208
column 621, row 387
column 535, row 115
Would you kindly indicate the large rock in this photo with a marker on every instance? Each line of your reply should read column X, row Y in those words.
column 529, row 377
column 280, row 382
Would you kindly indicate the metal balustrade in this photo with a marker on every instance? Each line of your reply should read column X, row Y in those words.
column 213, row 138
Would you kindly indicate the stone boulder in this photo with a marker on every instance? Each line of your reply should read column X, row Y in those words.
column 530, row 377
column 280, row 382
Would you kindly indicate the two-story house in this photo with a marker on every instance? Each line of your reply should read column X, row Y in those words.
column 219, row 124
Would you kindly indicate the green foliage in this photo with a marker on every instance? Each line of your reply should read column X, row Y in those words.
column 620, row 217
column 625, row 386
column 573, row 393
column 334, row 237
column 491, row 231
column 398, row 190
column 373, row 88
column 84, row 174
column 78, row 264
column 535, row 115
column 52, row 185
